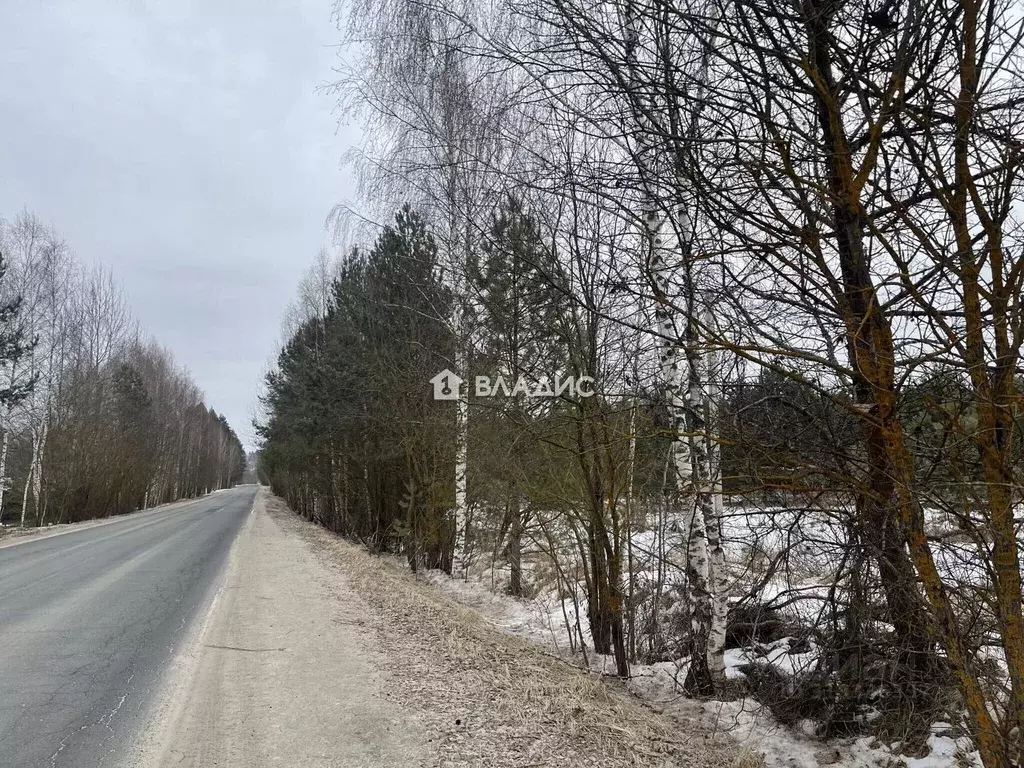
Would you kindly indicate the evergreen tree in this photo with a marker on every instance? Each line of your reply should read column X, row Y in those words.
column 14, row 347
column 351, row 438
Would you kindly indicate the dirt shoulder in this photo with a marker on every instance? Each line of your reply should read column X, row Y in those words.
column 483, row 697
column 283, row 671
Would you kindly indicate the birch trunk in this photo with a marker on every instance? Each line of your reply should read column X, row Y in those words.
column 690, row 455
column 716, row 552
column 630, row 472
column 28, row 483
column 37, row 475
column 3, row 463
column 693, row 461
column 461, row 553
column 695, row 491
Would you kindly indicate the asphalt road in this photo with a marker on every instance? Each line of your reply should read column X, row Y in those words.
column 90, row 619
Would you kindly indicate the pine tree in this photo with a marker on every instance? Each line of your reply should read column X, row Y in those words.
column 16, row 386
column 519, row 301
column 14, row 346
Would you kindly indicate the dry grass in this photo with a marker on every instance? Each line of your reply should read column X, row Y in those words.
column 748, row 758
column 493, row 699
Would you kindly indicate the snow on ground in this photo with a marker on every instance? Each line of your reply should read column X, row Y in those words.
column 539, row 620
column 752, row 727
column 813, row 540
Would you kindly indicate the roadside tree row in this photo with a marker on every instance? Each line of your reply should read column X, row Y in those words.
column 783, row 238
column 96, row 419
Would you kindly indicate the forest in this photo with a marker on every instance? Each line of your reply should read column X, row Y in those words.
column 784, row 239
column 97, row 419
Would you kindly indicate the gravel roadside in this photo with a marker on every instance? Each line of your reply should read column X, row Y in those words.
column 486, row 698
column 280, row 671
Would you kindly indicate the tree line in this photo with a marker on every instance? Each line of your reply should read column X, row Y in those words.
column 96, row 419
column 784, row 240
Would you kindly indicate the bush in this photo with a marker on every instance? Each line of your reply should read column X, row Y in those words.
column 751, row 623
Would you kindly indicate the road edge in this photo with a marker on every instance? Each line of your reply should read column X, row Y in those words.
column 85, row 525
column 170, row 698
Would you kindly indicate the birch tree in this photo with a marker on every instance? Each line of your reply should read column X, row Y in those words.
column 633, row 53
column 92, row 412
column 822, row 196
column 44, row 274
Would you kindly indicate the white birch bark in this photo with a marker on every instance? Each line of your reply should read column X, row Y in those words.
column 37, row 475
column 461, row 554
column 630, row 474
column 34, row 480
column 460, row 254
column 28, row 483
column 4, row 480
column 682, row 375
column 716, row 552
column 692, row 403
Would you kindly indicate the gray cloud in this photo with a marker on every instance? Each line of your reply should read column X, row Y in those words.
column 184, row 145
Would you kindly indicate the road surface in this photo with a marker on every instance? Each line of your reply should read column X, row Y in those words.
column 90, row 619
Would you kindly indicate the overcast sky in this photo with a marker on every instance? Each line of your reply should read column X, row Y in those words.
column 183, row 144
